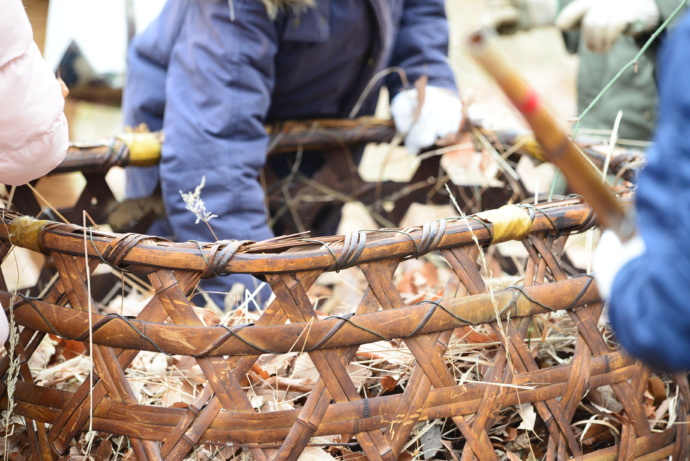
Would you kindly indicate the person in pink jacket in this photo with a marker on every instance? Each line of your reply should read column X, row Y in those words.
column 33, row 128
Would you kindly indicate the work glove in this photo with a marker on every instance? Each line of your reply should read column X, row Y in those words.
column 440, row 116
column 610, row 256
column 509, row 16
column 603, row 21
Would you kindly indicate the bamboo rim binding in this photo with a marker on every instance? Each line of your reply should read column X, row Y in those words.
column 271, row 256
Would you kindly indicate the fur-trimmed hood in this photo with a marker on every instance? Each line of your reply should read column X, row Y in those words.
column 274, row 6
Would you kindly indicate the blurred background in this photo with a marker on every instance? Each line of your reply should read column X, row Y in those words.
column 89, row 38
column 102, row 28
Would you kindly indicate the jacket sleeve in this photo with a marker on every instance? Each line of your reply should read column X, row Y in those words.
column 33, row 128
column 649, row 308
column 421, row 45
column 143, row 97
column 218, row 91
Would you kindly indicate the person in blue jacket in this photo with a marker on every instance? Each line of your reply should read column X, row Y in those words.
column 211, row 73
column 648, row 278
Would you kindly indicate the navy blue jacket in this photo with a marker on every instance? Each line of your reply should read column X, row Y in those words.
column 650, row 300
column 211, row 82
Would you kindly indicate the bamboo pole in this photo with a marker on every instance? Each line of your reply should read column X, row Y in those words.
column 307, row 135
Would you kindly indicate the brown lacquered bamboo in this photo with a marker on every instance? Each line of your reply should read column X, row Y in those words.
column 284, row 137
column 559, row 148
column 311, row 135
column 121, row 418
column 221, row 412
column 381, row 244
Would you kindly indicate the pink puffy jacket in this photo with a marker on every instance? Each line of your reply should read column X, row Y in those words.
column 33, row 128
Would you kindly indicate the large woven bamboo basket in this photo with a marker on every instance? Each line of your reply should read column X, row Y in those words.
column 470, row 400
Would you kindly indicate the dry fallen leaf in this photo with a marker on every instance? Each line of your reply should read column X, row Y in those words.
column 418, row 275
column 529, row 416
column 104, row 450
column 469, row 335
column 207, row 316
column 388, row 383
column 657, row 389
column 302, row 385
column 68, row 349
column 46, row 353
column 512, row 456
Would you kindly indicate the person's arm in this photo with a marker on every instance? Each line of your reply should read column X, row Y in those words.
column 421, row 45
column 649, row 309
column 33, row 128
column 218, row 91
column 143, row 96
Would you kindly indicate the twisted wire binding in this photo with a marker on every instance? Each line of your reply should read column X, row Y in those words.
column 97, row 326
column 405, row 232
column 432, row 234
column 226, row 249
column 336, row 263
column 353, row 246
column 344, row 320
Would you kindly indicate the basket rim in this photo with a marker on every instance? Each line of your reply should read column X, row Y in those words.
column 283, row 254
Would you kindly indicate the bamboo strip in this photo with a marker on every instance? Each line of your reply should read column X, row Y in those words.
column 268, row 257
column 43, row 404
column 394, row 323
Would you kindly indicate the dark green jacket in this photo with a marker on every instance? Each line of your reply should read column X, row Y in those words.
column 634, row 93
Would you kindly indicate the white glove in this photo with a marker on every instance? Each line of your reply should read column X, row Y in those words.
column 440, row 116
column 610, row 256
column 512, row 15
column 603, row 21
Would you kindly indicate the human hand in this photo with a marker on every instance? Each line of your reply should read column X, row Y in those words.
column 509, row 16
column 603, row 21
column 610, row 256
column 440, row 116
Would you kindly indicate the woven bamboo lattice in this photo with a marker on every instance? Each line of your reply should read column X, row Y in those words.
column 222, row 414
